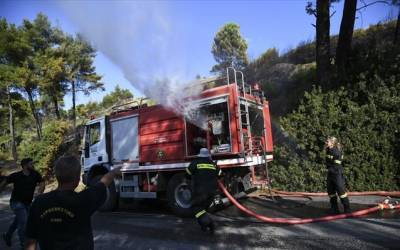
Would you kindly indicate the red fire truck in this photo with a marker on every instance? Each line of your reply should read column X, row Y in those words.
column 154, row 144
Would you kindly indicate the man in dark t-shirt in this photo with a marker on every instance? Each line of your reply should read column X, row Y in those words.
column 25, row 182
column 61, row 219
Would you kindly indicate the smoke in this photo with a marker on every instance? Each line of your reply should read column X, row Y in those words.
column 141, row 40
column 177, row 96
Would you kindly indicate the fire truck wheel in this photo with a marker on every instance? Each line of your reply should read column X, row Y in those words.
column 179, row 196
column 111, row 202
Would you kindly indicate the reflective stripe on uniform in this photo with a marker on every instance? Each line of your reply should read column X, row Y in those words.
column 338, row 162
column 332, row 195
column 200, row 213
column 188, row 171
column 343, row 195
column 206, row 166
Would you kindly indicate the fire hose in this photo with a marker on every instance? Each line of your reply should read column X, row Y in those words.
column 380, row 193
column 293, row 221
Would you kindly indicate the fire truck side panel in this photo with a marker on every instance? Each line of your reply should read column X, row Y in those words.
column 163, row 153
column 156, row 127
column 155, row 113
column 267, row 122
column 161, row 136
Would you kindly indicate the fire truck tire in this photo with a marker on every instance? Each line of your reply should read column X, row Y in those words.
column 111, row 202
column 179, row 195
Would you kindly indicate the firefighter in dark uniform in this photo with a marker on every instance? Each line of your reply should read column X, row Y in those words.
column 335, row 180
column 204, row 174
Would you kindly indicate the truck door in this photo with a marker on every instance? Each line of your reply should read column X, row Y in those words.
column 95, row 144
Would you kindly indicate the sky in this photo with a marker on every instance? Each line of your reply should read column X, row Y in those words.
column 144, row 45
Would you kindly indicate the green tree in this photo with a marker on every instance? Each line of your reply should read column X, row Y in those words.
column 229, row 49
column 345, row 37
column 85, row 111
column 80, row 72
column 363, row 114
column 52, row 78
column 6, row 81
column 46, row 151
column 396, row 33
column 117, row 96
column 323, row 43
column 12, row 50
column 36, row 37
column 258, row 69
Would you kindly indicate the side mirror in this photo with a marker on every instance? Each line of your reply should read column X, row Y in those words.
column 87, row 150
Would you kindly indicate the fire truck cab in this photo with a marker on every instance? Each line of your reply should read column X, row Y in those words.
column 154, row 144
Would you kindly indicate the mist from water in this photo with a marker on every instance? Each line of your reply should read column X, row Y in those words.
column 141, row 40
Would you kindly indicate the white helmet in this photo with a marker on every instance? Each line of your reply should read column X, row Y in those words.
column 204, row 152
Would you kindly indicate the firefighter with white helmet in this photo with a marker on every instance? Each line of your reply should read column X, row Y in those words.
column 335, row 180
column 204, row 174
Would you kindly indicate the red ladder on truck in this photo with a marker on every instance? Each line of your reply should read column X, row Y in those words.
column 244, row 126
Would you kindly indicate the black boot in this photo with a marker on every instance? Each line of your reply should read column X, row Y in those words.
column 346, row 205
column 334, row 206
column 7, row 239
column 211, row 227
column 206, row 223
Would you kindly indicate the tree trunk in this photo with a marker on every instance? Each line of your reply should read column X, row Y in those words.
column 35, row 115
column 12, row 127
column 323, row 43
column 396, row 33
column 55, row 103
column 345, row 37
column 73, row 106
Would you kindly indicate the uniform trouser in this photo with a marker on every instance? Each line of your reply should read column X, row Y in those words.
column 21, row 215
column 200, row 203
column 336, row 185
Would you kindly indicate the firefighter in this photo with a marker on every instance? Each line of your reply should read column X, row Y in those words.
column 335, row 180
column 204, row 173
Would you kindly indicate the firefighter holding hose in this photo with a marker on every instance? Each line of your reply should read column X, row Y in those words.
column 335, row 180
column 204, row 174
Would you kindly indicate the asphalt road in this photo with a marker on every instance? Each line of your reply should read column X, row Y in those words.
column 150, row 225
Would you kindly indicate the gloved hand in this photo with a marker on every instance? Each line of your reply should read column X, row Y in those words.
column 221, row 174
